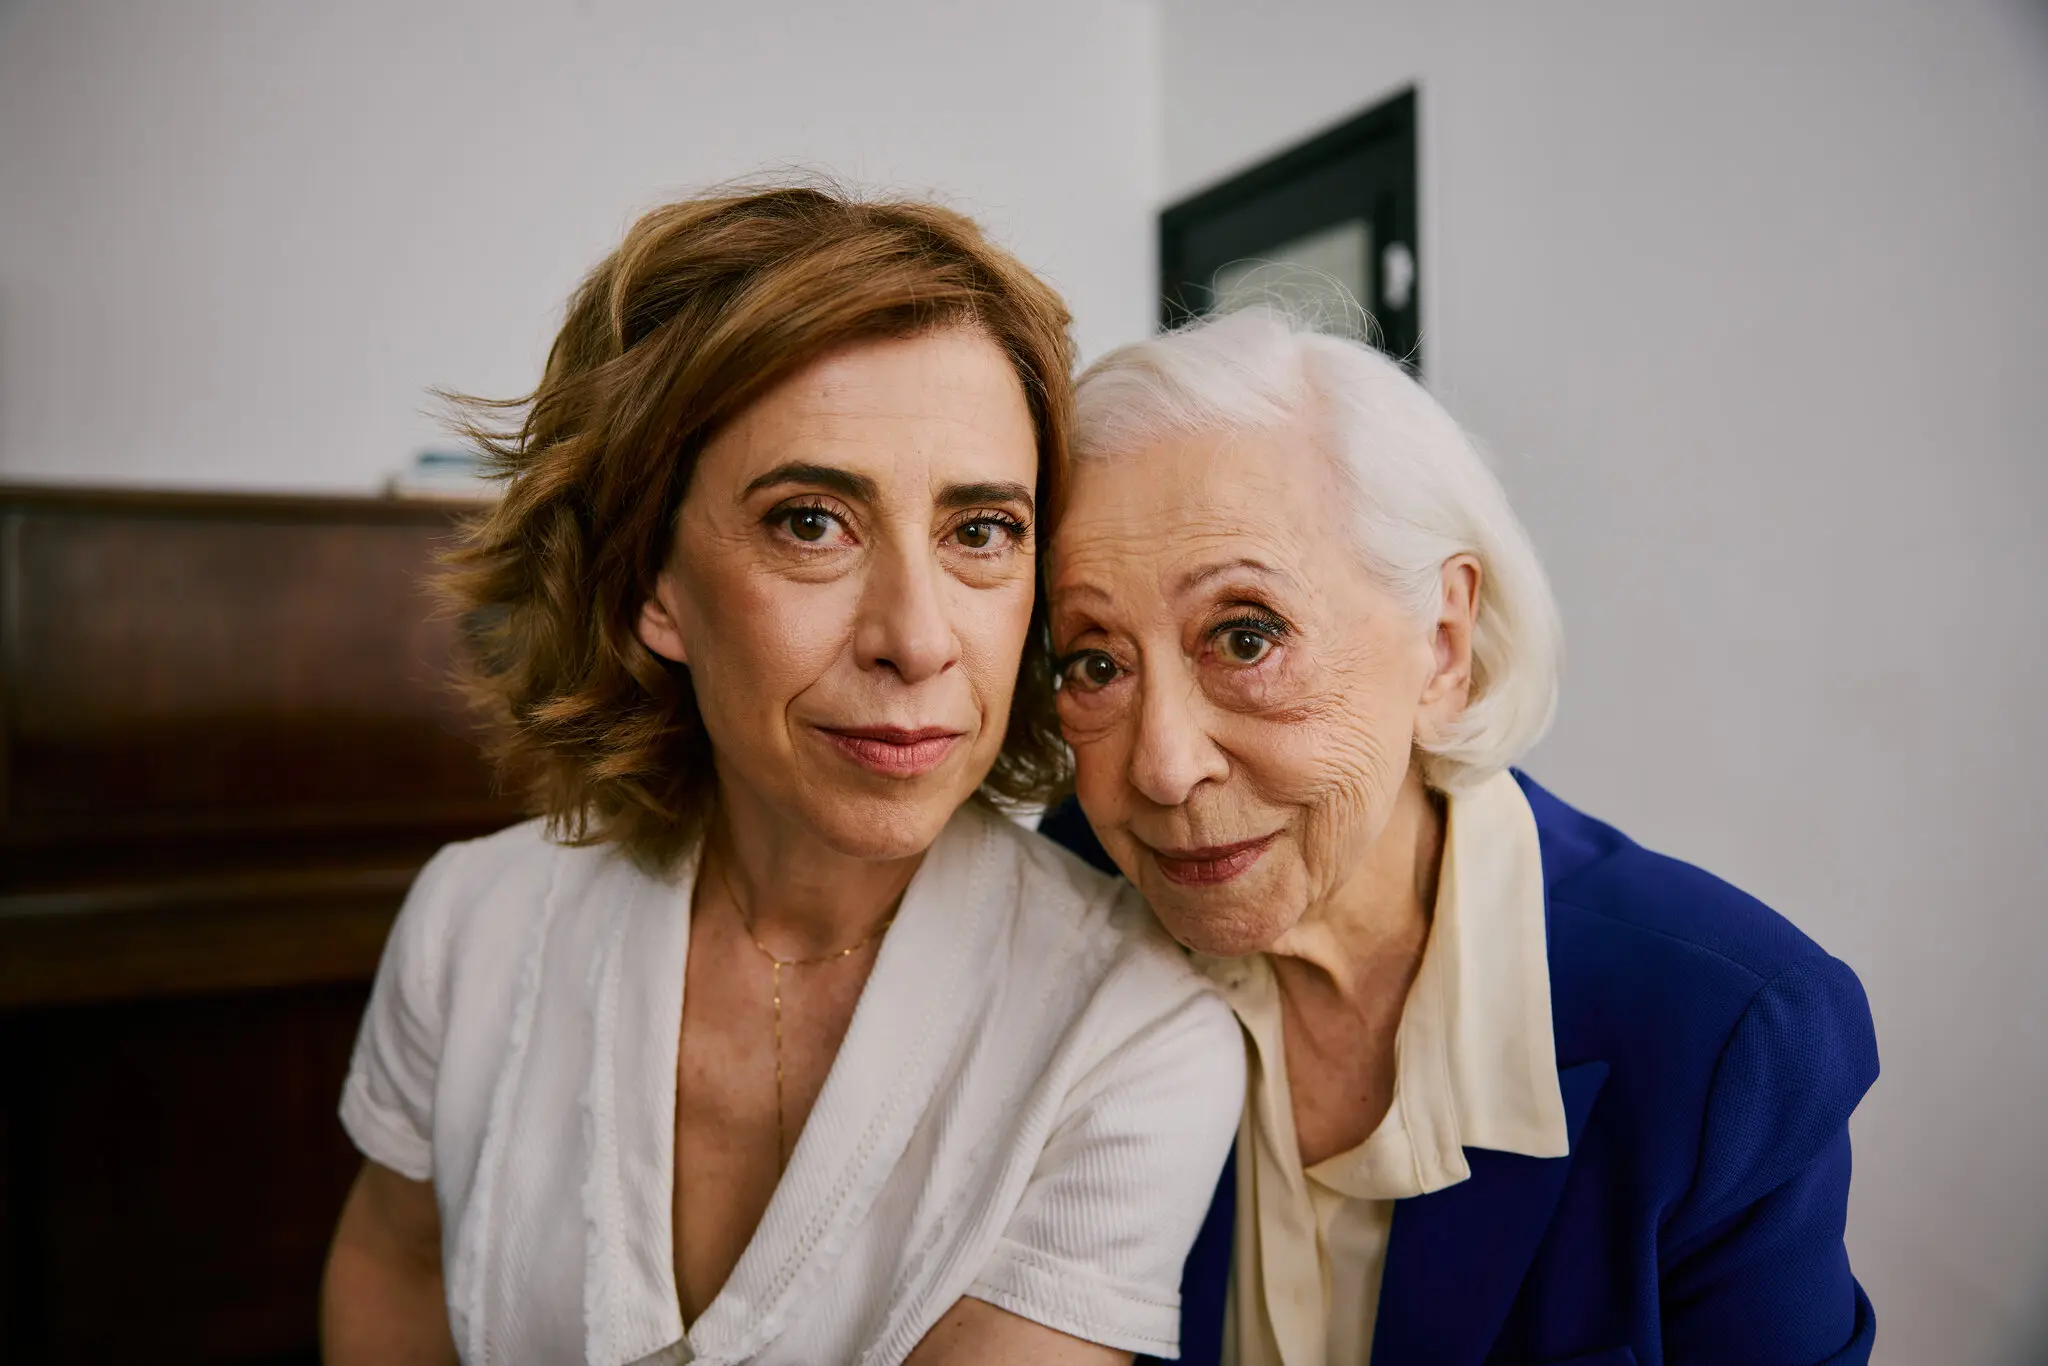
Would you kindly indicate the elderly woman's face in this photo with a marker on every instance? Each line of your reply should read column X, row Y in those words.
column 1242, row 700
column 852, row 586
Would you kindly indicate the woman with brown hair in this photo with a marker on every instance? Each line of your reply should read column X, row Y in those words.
column 770, row 1039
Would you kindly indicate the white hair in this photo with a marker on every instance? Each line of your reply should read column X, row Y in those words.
column 1423, row 493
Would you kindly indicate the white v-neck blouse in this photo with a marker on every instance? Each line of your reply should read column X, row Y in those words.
column 1030, row 1107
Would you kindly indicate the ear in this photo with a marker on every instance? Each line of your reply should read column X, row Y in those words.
column 657, row 627
column 1449, row 687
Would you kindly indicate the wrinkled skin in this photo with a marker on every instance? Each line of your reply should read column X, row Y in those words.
column 1230, row 671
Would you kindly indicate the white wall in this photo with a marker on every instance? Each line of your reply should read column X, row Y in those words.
column 1750, row 300
column 239, row 240
column 1748, row 296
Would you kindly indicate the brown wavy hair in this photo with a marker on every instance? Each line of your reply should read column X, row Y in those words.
column 706, row 306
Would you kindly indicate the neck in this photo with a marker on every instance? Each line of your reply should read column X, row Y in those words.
column 798, row 896
column 1357, row 951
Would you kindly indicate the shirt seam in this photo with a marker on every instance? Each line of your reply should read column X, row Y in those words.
column 1036, row 1261
column 360, row 1110
column 491, row 1160
column 1713, row 1085
column 1119, row 1336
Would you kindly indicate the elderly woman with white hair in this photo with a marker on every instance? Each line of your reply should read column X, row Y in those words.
column 1520, row 1090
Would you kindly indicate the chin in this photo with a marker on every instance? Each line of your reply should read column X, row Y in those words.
column 1219, row 922
column 1241, row 915
column 1219, row 936
column 882, row 827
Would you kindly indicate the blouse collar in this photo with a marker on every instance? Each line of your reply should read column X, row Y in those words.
column 1475, row 1055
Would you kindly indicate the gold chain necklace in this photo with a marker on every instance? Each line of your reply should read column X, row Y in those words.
column 781, row 1141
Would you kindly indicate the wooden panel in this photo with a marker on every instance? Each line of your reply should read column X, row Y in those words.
column 252, row 931
column 226, row 747
column 193, row 679
column 176, row 1172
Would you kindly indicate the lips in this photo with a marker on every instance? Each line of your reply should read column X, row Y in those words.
column 1207, row 866
column 893, row 751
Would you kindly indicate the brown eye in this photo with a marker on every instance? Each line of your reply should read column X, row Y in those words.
column 988, row 533
column 809, row 524
column 1092, row 670
column 1245, row 647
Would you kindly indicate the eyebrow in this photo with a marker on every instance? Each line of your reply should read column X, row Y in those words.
column 862, row 489
column 953, row 497
column 856, row 486
column 1201, row 574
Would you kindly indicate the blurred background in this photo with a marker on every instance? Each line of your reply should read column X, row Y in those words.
column 1748, row 299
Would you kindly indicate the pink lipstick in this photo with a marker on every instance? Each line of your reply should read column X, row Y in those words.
column 1213, row 864
column 893, row 751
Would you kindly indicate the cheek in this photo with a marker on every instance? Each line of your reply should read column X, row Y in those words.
column 1243, row 918
column 992, row 626
column 1093, row 720
column 761, row 638
column 1099, row 772
column 1280, row 689
column 1341, row 768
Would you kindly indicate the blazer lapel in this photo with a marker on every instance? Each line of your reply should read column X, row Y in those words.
column 1456, row 1257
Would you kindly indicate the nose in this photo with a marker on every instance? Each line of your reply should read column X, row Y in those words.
column 904, row 624
column 1174, row 753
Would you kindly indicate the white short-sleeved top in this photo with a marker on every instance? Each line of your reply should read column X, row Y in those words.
column 1030, row 1107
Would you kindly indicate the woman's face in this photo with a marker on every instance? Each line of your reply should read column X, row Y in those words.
column 851, row 587
column 1241, row 699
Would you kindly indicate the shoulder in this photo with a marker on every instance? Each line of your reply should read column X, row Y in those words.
column 502, row 860
column 1601, row 875
column 1088, row 943
column 1712, row 1008
column 1088, row 921
column 476, row 904
column 1658, row 918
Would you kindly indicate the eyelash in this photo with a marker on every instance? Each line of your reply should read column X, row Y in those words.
column 1268, row 626
column 1260, row 626
column 783, row 513
column 1271, row 628
column 1016, row 529
column 1063, row 668
column 1013, row 528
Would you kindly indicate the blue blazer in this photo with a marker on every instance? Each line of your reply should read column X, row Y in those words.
column 1710, row 1055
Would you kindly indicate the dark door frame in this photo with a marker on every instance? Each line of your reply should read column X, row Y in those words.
column 1364, row 167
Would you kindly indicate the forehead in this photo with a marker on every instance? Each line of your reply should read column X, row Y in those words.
column 935, row 399
column 1270, row 494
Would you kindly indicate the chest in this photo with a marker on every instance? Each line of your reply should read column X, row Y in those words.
column 758, row 1039
column 558, row 1159
column 1340, row 1083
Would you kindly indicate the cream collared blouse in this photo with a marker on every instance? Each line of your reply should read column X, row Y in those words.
column 1475, row 1068
column 1030, row 1107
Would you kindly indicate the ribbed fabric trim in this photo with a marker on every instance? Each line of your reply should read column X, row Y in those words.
column 1076, row 1300
column 604, row 1282
column 476, row 1246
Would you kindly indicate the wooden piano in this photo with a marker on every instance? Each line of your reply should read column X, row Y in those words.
column 226, row 745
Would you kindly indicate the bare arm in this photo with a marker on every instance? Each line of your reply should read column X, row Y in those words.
column 975, row 1333
column 382, row 1302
